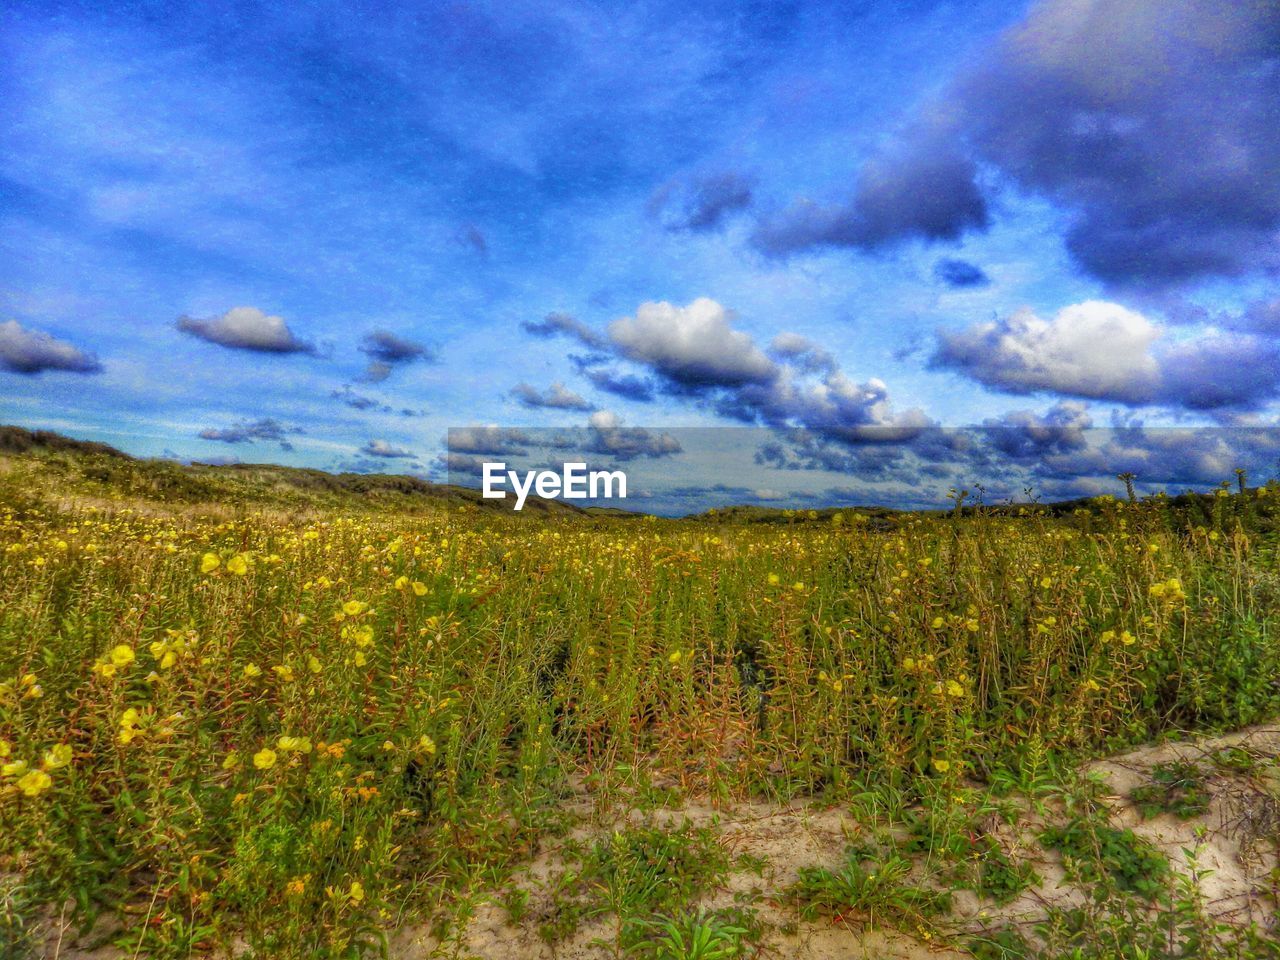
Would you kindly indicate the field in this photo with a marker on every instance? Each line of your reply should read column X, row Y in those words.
column 242, row 714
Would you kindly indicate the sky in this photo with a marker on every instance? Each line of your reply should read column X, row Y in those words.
column 326, row 234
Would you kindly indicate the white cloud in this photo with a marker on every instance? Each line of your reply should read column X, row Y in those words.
column 692, row 346
column 246, row 328
column 33, row 351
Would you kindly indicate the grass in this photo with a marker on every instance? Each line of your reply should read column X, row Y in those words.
column 260, row 707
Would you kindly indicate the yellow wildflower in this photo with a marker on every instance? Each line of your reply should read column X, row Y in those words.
column 35, row 783
column 209, row 563
column 264, row 759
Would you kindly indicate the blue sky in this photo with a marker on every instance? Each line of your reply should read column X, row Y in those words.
column 323, row 234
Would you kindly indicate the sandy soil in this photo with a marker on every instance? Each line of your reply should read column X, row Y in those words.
column 1234, row 840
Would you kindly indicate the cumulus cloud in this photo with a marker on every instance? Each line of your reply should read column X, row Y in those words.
column 960, row 274
column 692, row 346
column 1029, row 436
column 246, row 328
column 385, row 450
column 555, row 397
column 487, row 440
column 1092, row 349
column 564, row 325
column 693, row 352
column 1153, row 125
column 608, row 436
column 30, row 352
column 386, row 350
column 703, row 203
column 250, row 431
column 1103, row 351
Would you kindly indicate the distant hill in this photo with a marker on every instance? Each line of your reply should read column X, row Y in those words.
column 80, row 467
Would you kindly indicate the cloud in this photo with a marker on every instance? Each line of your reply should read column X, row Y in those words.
column 628, row 385
column 555, row 397
column 803, row 352
column 922, row 187
column 960, row 274
column 1093, row 349
column 564, row 325
column 386, row 350
column 1028, row 436
column 1103, row 351
column 1151, row 125
column 607, row 435
column 487, row 440
column 693, row 352
column 692, row 346
column 250, row 431
column 704, row 203
column 30, row 352
column 385, row 450
column 246, row 328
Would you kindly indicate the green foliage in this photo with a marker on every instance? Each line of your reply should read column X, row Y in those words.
column 1101, row 854
column 1177, row 788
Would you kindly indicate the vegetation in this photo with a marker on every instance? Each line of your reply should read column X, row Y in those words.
column 240, row 708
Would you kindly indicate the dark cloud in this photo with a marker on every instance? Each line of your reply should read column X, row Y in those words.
column 960, row 273
column 922, row 188
column 627, row 385
column 386, row 350
column 1102, row 351
column 31, row 352
column 385, row 450
column 246, row 328
column 555, row 397
column 1155, row 126
column 1028, row 436
column 564, row 325
column 250, row 431
column 702, row 203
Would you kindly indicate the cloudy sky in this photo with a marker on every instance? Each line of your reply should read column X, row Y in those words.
column 323, row 234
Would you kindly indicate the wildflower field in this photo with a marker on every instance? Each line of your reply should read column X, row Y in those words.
column 287, row 725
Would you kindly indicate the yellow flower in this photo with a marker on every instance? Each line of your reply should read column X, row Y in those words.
column 284, row 672
column 353, row 608
column 427, row 745
column 356, row 892
column 209, row 563
column 401, row 582
column 294, row 744
column 122, row 655
column 57, row 756
column 264, row 759
column 774, row 579
column 419, row 588
column 238, row 565
column 942, row 766
column 231, row 761
column 314, row 665
column 252, row 670
column 35, row 783
column 5, row 749
column 14, row 769
column 955, row 689
column 674, row 657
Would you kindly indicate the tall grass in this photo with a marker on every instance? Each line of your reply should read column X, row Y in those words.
column 293, row 732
